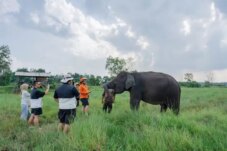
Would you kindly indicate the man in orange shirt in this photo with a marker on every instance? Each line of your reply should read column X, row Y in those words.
column 84, row 94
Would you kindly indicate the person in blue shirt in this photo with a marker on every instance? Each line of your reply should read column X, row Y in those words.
column 66, row 95
column 36, row 103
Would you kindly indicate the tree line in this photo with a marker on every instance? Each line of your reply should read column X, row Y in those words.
column 7, row 76
column 114, row 65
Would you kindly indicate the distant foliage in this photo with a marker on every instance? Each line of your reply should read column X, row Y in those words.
column 5, row 60
column 192, row 84
column 188, row 77
column 115, row 65
column 210, row 77
column 40, row 70
column 22, row 70
column 207, row 84
column 92, row 80
column 5, row 78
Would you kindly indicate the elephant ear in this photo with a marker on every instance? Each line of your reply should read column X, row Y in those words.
column 130, row 81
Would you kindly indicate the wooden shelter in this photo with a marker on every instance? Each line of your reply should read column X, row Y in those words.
column 30, row 77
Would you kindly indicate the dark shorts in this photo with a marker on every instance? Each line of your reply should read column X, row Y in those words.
column 84, row 102
column 37, row 111
column 66, row 116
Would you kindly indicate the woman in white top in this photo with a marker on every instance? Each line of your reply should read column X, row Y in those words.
column 25, row 102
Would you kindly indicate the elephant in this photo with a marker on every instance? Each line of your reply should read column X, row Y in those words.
column 151, row 87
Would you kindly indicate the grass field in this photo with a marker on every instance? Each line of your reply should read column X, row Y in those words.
column 201, row 125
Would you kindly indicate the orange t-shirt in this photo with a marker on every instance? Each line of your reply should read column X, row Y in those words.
column 84, row 91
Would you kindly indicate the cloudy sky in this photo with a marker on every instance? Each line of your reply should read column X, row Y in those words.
column 61, row 36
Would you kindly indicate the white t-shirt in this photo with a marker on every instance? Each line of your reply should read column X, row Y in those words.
column 25, row 97
column 36, row 103
column 67, row 103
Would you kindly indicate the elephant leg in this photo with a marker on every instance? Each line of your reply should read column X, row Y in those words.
column 135, row 98
column 176, row 107
column 134, row 103
column 163, row 108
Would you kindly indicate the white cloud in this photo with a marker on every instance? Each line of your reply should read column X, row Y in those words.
column 87, row 40
column 129, row 33
column 88, row 34
column 142, row 42
column 213, row 12
column 62, row 11
column 35, row 18
column 223, row 43
column 9, row 6
column 186, row 27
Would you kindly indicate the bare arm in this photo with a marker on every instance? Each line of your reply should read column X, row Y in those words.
column 47, row 90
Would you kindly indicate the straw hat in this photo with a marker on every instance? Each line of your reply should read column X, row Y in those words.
column 82, row 79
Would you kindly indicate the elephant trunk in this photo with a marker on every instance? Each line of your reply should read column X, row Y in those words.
column 105, row 87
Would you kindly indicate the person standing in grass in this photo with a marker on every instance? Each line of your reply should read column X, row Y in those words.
column 66, row 96
column 84, row 94
column 25, row 102
column 108, row 98
column 77, row 86
column 36, row 103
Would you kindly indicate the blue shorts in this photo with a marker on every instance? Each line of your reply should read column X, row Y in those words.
column 84, row 102
column 24, row 112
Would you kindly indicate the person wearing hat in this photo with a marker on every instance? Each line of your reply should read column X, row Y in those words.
column 66, row 96
column 84, row 94
column 36, row 103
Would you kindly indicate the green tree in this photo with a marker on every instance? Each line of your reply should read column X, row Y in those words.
column 22, row 70
column 40, row 70
column 5, row 60
column 188, row 77
column 115, row 65
column 5, row 78
column 210, row 79
column 76, row 77
column 105, row 79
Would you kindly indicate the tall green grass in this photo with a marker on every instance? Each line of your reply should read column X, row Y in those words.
column 201, row 125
